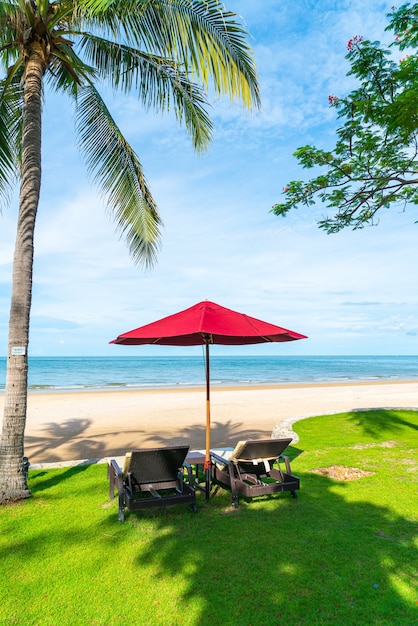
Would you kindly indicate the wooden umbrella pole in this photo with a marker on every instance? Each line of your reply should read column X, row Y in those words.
column 207, row 455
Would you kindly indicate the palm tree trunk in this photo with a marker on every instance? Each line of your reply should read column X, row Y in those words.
column 13, row 479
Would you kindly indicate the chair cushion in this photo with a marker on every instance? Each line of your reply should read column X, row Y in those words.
column 257, row 451
column 126, row 464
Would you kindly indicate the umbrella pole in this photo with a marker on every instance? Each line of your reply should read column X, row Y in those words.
column 207, row 455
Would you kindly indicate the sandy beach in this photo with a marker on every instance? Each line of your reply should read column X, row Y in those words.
column 91, row 425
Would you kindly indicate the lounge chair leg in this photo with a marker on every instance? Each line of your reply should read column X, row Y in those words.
column 215, row 490
column 208, row 480
column 294, row 494
column 121, row 505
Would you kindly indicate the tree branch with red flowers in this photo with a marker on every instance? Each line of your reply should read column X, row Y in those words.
column 374, row 164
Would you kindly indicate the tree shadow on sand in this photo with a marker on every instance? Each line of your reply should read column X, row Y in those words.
column 223, row 434
column 69, row 434
column 56, row 435
column 72, row 437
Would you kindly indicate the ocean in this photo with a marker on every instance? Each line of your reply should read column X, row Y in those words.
column 149, row 372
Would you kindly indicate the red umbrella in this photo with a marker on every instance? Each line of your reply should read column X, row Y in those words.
column 203, row 324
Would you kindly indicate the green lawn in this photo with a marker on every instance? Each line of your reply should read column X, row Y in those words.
column 342, row 553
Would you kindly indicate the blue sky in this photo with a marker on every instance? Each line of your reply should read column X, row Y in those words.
column 351, row 293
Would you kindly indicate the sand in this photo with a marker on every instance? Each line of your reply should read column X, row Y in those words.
column 94, row 425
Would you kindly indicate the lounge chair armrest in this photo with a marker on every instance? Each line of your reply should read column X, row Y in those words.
column 219, row 459
column 114, row 474
column 188, row 468
column 114, row 464
column 224, row 465
column 286, row 462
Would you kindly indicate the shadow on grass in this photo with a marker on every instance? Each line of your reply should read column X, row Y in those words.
column 54, row 479
column 328, row 557
column 379, row 422
column 314, row 560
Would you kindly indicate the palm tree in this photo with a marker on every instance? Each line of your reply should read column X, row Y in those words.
column 170, row 52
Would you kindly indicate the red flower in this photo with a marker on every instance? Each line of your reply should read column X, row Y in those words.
column 352, row 42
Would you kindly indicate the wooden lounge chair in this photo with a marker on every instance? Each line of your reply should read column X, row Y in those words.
column 151, row 477
column 249, row 470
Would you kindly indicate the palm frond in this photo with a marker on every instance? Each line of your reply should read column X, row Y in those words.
column 216, row 44
column 170, row 52
column 9, row 52
column 118, row 172
column 189, row 106
column 67, row 70
column 11, row 98
column 158, row 81
column 8, row 9
column 201, row 36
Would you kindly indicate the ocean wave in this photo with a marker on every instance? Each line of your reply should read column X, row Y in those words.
column 107, row 373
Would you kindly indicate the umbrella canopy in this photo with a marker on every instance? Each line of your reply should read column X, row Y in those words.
column 207, row 323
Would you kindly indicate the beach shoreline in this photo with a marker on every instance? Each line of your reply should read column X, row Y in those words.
column 63, row 426
column 223, row 387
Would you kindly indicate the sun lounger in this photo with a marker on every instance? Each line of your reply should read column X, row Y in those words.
column 254, row 469
column 151, row 477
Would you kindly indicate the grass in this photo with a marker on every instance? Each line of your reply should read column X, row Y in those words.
column 343, row 553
